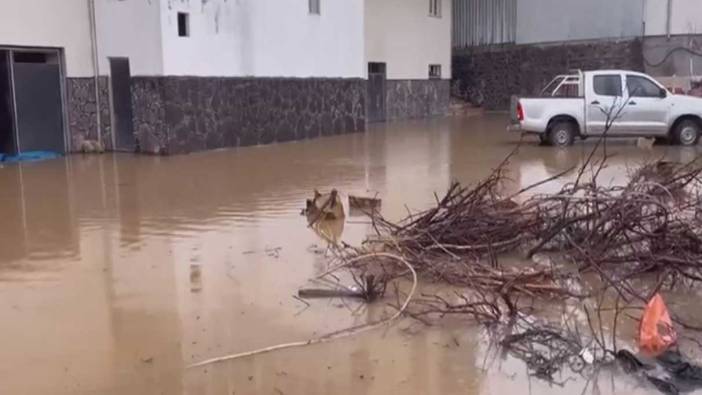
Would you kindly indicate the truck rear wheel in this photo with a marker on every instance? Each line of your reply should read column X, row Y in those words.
column 562, row 134
column 686, row 133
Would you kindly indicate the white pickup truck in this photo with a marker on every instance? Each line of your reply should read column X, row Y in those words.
column 577, row 106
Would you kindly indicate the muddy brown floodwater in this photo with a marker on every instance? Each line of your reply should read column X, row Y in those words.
column 118, row 271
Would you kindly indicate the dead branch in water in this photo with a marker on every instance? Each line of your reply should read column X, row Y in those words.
column 340, row 333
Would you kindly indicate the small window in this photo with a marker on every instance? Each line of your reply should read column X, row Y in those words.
column 608, row 85
column 315, row 7
column 435, row 8
column 435, row 71
column 641, row 87
column 183, row 24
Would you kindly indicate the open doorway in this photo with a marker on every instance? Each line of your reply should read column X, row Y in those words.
column 122, row 105
column 377, row 80
column 7, row 128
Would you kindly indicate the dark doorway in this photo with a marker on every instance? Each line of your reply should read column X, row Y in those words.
column 376, row 92
column 7, row 129
column 38, row 102
column 122, row 104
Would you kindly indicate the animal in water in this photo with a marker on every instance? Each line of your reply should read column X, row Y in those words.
column 645, row 142
column 91, row 147
column 326, row 206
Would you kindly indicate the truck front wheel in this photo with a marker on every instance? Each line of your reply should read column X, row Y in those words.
column 562, row 134
column 686, row 133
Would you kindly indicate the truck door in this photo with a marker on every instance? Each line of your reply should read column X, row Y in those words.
column 646, row 112
column 603, row 99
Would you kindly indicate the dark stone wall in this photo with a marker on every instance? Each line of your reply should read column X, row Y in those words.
column 490, row 75
column 185, row 114
column 407, row 99
column 82, row 111
column 149, row 113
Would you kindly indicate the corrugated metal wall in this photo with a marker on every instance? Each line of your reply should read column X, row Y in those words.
column 541, row 21
column 479, row 22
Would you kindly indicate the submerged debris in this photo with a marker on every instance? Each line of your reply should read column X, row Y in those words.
column 364, row 203
column 369, row 290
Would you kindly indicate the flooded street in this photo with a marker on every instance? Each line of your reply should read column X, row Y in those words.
column 119, row 271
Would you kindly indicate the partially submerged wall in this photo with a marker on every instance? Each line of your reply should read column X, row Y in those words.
column 413, row 41
column 490, row 75
column 407, row 99
column 82, row 111
column 186, row 114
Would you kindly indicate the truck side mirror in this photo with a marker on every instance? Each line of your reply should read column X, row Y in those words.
column 663, row 93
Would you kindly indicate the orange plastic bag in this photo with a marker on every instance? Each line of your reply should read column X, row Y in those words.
column 656, row 333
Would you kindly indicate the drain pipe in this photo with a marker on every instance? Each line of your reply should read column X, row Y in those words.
column 96, row 67
column 668, row 20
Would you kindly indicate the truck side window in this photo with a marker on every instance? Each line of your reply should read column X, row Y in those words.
column 608, row 85
column 641, row 87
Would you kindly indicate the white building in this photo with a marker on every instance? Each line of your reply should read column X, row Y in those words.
column 185, row 75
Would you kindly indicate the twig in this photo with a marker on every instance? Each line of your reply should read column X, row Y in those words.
column 333, row 335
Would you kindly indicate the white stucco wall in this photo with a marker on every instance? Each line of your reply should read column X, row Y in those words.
column 403, row 35
column 50, row 23
column 264, row 38
column 130, row 28
column 686, row 17
column 214, row 45
column 298, row 44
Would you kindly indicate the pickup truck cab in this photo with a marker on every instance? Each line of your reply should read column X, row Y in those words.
column 619, row 103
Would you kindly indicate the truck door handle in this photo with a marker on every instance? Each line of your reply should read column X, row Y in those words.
column 632, row 103
column 595, row 102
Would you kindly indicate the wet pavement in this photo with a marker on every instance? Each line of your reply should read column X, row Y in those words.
column 118, row 271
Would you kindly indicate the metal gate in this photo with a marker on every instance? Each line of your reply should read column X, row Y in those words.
column 122, row 104
column 39, row 107
column 31, row 100
column 376, row 92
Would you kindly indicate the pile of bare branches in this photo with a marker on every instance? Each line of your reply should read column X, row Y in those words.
column 448, row 243
column 648, row 225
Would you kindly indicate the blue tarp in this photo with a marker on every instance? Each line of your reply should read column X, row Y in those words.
column 30, row 156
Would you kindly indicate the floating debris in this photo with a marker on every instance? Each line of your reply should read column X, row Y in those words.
column 364, row 203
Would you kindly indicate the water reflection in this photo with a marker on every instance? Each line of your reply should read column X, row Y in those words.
column 117, row 271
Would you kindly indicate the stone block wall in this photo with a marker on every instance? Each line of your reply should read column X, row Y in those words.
column 149, row 114
column 406, row 99
column 490, row 75
column 82, row 111
column 186, row 114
